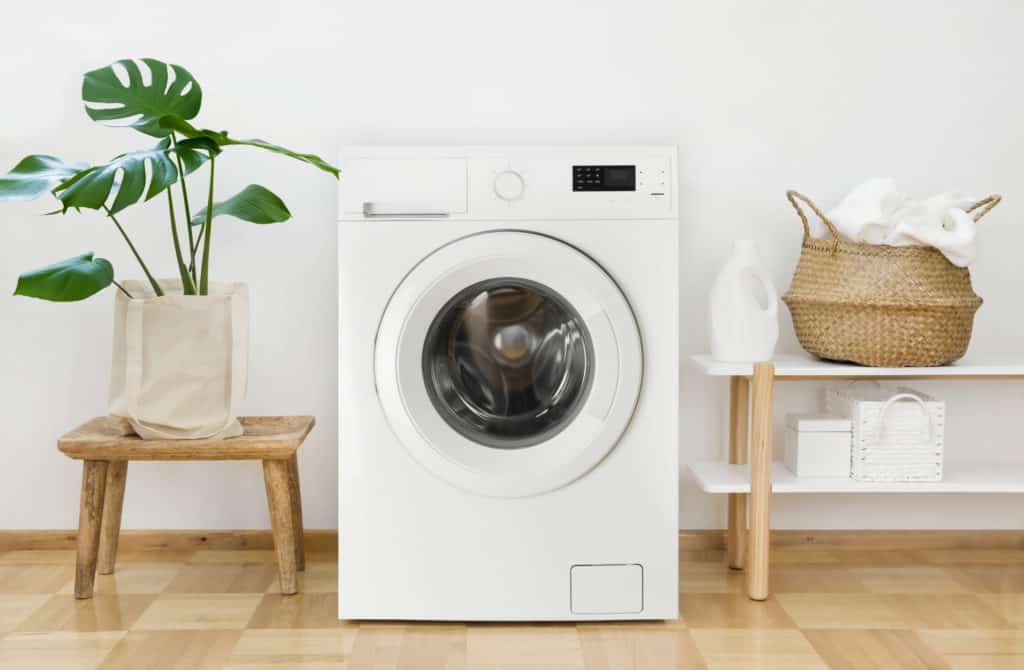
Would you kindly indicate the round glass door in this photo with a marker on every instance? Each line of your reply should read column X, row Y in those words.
column 507, row 363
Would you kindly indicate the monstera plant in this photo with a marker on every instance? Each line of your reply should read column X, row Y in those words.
column 161, row 101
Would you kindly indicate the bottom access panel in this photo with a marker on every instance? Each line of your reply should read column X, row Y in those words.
column 607, row 588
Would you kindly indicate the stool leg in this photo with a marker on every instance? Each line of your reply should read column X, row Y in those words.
column 90, row 514
column 113, row 502
column 295, row 493
column 275, row 476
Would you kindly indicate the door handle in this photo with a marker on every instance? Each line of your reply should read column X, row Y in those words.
column 375, row 210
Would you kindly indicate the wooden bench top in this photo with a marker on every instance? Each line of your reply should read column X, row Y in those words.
column 109, row 438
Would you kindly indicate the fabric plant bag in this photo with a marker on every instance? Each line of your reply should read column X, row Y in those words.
column 180, row 363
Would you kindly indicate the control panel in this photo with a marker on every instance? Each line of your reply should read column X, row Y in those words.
column 604, row 177
column 509, row 183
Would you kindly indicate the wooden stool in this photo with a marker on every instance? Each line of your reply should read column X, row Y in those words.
column 106, row 444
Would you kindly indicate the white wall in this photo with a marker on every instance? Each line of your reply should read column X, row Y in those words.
column 758, row 96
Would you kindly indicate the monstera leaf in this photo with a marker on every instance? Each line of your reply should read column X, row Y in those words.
column 179, row 124
column 74, row 279
column 91, row 188
column 194, row 152
column 253, row 203
column 35, row 175
column 140, row 104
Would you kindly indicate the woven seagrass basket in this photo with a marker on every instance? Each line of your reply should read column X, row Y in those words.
column 879, row 305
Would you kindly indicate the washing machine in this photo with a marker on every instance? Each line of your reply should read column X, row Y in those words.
column 508, row 383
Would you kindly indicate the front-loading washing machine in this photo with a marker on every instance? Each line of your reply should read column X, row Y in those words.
column 508, row 383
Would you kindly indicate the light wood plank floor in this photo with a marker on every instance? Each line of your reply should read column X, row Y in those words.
column 953, row 609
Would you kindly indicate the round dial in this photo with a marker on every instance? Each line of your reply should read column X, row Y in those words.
column 509, row 185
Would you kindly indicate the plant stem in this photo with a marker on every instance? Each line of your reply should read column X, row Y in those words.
column 123, row 290
column 153, row 282
column 195, row 247
column 204, row 277
column 188, row 211
column 186, row 279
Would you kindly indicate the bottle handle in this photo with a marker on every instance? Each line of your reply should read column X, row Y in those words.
column 769, row 288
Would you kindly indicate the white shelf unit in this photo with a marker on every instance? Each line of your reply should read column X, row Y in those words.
column 750, row 435
column 718, row 477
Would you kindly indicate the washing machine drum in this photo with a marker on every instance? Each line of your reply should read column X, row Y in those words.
column 508, row 363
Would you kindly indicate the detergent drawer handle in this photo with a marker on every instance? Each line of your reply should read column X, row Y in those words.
column 375, row 210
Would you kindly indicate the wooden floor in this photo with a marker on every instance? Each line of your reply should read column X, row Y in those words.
column 959, row 609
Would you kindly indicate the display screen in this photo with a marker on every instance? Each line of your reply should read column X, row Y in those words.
column 619, row 177
column 604, row 177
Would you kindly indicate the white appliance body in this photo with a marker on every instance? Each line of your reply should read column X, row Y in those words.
column 508, row 370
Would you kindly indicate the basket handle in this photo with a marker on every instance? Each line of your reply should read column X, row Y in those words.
column 895, row 399
column 795, row 196
column 984, row 206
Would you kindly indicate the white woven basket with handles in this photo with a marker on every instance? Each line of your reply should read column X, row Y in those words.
column 898, row 434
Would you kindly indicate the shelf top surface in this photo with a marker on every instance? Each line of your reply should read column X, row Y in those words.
column 801, row 365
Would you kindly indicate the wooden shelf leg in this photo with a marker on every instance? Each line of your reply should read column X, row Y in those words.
column 739, row 400
column 760, row 481
column 113, row 502
column 275, row 476
column 90, row 515
column 295, row 493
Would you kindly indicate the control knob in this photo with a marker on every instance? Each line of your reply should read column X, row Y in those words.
column 509, row 185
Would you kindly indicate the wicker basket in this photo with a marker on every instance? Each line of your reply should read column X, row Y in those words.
column 879, row 305
column 898, row 434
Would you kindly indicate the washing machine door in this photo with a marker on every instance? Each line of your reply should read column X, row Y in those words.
column 508, row 363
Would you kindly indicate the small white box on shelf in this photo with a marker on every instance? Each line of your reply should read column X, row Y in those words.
column 818, row 446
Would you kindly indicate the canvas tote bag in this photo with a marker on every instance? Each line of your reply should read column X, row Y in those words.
column 180, row 363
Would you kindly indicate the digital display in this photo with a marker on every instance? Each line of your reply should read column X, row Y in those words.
column 604, row 177
column 619, row 177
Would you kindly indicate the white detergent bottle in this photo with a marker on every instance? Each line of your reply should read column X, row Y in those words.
column 743, row 309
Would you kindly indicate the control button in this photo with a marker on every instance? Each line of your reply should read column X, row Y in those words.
column 509, row 185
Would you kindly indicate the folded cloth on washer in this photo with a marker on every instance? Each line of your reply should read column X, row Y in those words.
column 875, row 212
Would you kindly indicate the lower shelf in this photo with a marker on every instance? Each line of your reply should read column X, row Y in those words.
column 718, row 477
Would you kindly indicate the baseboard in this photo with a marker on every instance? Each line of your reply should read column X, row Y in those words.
column 865, row 540
column 164, row 540
column 326, row 540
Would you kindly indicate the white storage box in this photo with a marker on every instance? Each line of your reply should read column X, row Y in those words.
column 898, row 433
column 818, row 446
